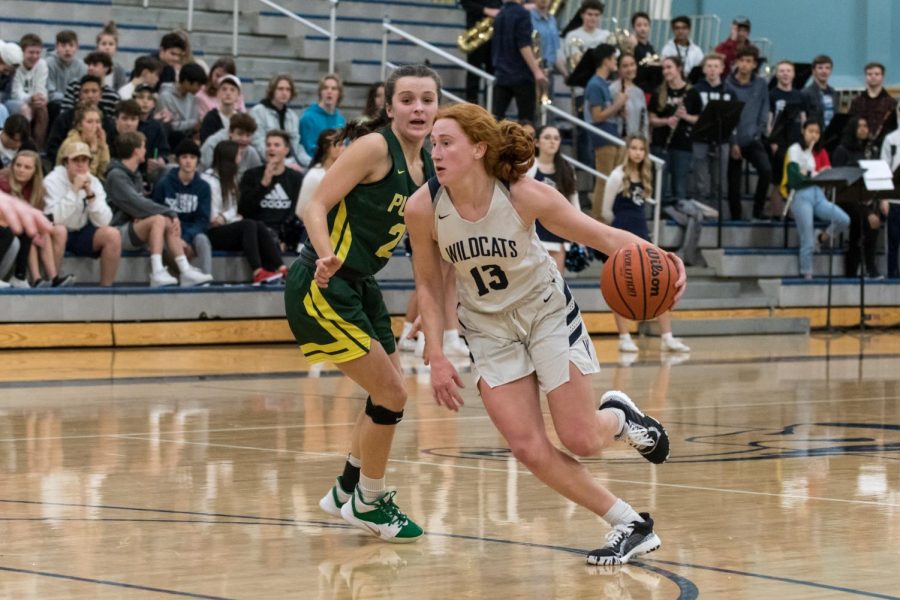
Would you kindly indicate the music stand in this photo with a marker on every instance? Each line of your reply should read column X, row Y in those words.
column 718, row 119
column 834, row 179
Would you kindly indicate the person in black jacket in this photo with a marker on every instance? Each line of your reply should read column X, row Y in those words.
column 269, row 193
column 228, row 96
column 865, row 221
column 480, row 57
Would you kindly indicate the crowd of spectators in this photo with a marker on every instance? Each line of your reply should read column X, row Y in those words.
column 624, row 88
column 160, row 157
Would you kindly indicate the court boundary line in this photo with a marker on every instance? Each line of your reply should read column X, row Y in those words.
column 525, row 472
column 407, row 371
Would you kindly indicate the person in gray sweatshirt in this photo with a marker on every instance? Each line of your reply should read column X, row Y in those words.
column 181, row 101
column 746, row 86
column 143, row 223
column 63, row 67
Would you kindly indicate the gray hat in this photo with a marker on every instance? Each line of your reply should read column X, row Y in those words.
column 10, row 53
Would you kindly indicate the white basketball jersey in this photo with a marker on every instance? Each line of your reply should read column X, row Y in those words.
column 499, row 260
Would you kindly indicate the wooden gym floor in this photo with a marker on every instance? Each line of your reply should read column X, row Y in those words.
column 196, row 472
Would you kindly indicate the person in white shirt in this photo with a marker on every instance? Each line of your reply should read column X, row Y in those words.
column 29, row 89
column 681, row 45
column 890, row 153
column 589, row 35
column 76, row 199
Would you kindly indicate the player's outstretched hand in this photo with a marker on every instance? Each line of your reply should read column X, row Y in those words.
column 681, row 282
column 326, row 268
column 445, row 384
column 21, row 217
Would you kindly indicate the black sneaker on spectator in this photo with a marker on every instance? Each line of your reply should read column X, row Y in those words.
column 67, row 280
column 42, row 283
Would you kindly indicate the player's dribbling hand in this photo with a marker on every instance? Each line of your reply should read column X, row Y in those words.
column 445, row 384
column 326, row 268
column 681, row 282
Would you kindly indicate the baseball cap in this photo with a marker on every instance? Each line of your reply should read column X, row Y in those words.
column 232, row 80
column 741, row 21
column 144, row 88
column 187, row 147
column 72, row 148
column 10, row 53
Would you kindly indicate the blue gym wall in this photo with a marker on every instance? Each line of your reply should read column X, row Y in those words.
column 852, row 32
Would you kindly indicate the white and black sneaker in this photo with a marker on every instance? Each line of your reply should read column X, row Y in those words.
column 625, row 542
column 643, row 433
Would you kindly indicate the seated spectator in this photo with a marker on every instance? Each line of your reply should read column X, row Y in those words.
column 228, row 230
column 709, row 177
column 76, row 199
column 99, row 64
column 632, row 119
column 89, row 130
column 804, row 162
column 374, row 101
column 273, row 113
column 207, row 97
column 241, row 129
column 682, row 47
column 672, row 129
column 890, row 153
column 146, row 72
column 820, row 100
column 108, row 41
column 640, row 38
column 550, row 168
column 14, row 137
column 89, row 96
column 24, row 179
column 63, row 67
column 737, row 39
column 29, row 88
column 589, row 35
column 228, row 96
column 865, row 222
column 329, row 146
column 269, row 194
column 600, row 109
column 158, row 151
column 143, row 223
column 874, row 105
column 181, row 102
column 184, row 191
column 325, row 114
column 10, row 59
column 746, row 86
column 172, row 48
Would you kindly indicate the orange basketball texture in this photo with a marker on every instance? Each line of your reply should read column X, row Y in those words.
column 638, row 282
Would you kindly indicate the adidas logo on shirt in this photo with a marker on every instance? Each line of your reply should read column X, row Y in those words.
column 276, row 199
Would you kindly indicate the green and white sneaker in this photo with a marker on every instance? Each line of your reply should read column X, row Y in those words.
column 334, row 499
column 382, row 518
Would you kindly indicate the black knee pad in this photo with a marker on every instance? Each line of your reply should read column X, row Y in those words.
column 381, row 415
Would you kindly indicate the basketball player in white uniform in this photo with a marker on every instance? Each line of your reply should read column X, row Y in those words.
column 522, row 325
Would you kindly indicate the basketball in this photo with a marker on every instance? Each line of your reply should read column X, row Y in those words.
column 638, row 282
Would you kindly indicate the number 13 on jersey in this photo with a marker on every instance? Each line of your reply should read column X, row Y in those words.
column 497, row 278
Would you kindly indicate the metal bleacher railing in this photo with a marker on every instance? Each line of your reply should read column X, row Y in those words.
column 331, row 35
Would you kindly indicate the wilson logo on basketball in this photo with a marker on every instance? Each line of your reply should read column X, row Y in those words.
column 638, row 282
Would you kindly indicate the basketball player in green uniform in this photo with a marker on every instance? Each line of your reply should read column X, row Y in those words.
column 333, row 304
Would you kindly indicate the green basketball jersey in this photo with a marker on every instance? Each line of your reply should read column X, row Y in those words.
column 368, row 223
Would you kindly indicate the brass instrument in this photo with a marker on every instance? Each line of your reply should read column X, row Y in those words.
column 620, row 38
column 650, row 59
column 575, row 49
column 482, row 31
column 543, row 90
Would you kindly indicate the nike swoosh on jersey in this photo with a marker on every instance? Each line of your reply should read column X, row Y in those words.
column 547, row 299
column 443, row 216
column 400, row 172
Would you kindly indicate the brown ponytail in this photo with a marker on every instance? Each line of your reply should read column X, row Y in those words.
column 510, row 150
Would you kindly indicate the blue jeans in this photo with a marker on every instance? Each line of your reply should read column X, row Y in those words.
column 810, row 203
column 676, row 173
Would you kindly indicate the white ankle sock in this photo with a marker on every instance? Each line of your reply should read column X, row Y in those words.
column 156, row 264
column 621, row 513
column 621, row 417
column 451, row 336
column 667, row 337
column 371, row 489
column 183, row 264
column 354, row 461
column 625, row 336
column 407, row 327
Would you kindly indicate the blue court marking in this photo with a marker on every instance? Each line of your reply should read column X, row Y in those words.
column 108, row 582
column 688, row 590
column 407, row 371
